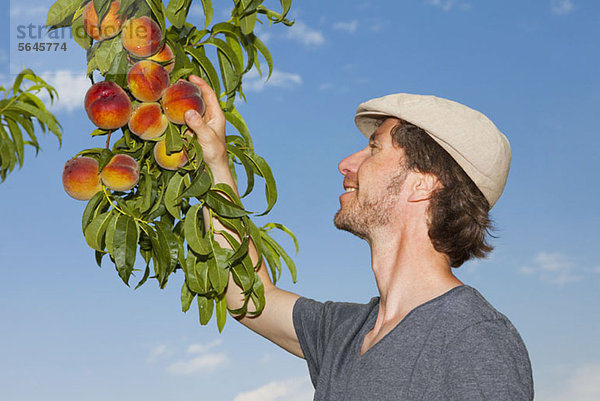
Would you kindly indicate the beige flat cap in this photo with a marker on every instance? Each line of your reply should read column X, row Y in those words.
column 466, row 134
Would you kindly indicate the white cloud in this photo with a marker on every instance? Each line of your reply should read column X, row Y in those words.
column 254, row 83
column 555, row 268
column 71, row 87
column 200, row 348
column 581, row 385
column 305, row 35
column 562, row 7
column 298, row 389
column 158, row 351
column 198, row 364
column 448, row 5
column 349, row 26
column 27, row 10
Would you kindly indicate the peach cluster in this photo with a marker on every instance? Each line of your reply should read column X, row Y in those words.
column 146, row 106
column 82, row 179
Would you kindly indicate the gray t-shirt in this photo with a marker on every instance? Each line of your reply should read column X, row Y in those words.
column 453, row 347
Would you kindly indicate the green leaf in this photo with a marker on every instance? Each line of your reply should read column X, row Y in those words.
column 177, row 11
column 221, row 313
column 174, row 141
column 283, row 228
column 218, row 268
column 17, row 137
column 222, row 206
column 186, row 297
column 227, row 50
column 144, row 278
column 270, row 186
column 207, row 67
column 61, row 11
column 281, row 252
column 94, row 232
column 248, row 167
column 192, row 228
column 247, row 23
column 262, row 48
column 106, row 53
column 199, row 185
column 235, row 118
column 145, row 187
column 165, row 250
column 158, row 9
column 208, row 12
column 95, row 205
column 172, row 200
column 125, row 246
column 79, row 34
column 43, row 116
column 205, row 309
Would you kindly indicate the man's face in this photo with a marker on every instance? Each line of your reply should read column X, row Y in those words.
column 373, row 179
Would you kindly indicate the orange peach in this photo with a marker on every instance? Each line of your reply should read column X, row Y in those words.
column 107, row 105
column 141, row 36
column 166, row 161
column 179, row 98
column 148, row 121
column 147, row 80
column 163, row 56
column 121, row 173
column 80, row 178
column 109, row 27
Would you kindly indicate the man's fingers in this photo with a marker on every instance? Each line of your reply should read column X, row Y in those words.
column 213, row 109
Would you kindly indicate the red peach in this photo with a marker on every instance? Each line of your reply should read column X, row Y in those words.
column 107, row 105
column 147, row 80
column 80, row 178
column 121, row 173
column 141, row 36
column 111, row 23
column 169, row 162
column 180, row 97
column 148, row 121
column 164, row 55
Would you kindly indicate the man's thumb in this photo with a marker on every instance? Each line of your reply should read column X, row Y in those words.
column 193, row 119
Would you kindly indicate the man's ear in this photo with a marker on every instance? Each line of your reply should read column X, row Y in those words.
column 423, row 187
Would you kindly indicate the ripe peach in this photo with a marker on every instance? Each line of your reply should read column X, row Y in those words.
column 111, row 23
column 121, row 173
column 80, row 178
column 179, row 98
column 164, row 55
column 141, row 36
column 147, row 80
column 107, row 105
column 148, row 121
column 169, row 162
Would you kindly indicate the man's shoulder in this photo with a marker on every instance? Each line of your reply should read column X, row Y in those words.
column 467, row 311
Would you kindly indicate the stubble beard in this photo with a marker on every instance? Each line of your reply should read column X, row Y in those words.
column 361, row 217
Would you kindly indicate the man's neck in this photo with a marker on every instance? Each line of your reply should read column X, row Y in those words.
column 409, row 272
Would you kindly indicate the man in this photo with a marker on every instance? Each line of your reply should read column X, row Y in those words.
column 419, row 194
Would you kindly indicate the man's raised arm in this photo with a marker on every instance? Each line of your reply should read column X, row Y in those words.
column 275, row 321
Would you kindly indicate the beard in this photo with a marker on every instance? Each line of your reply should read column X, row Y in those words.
column 360, row 217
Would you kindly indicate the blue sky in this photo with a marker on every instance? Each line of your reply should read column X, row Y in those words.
column 73, row 331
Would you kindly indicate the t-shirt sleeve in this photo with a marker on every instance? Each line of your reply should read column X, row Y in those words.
column 315, row 323
column 487, row 361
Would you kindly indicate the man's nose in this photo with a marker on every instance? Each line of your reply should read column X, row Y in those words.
column 350, row 163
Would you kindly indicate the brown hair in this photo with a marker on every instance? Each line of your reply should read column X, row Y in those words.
column 458, row 211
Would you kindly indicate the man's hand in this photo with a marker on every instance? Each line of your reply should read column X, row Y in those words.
column 210, row 129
